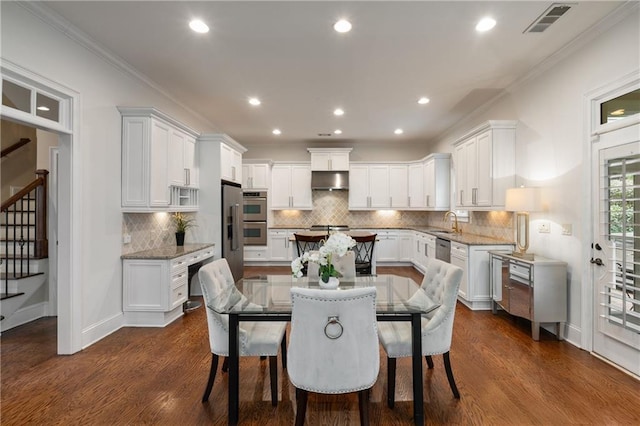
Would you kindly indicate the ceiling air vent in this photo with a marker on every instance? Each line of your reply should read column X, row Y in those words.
column 548, row 17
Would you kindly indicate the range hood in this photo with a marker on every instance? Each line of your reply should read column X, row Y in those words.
column 328, row 181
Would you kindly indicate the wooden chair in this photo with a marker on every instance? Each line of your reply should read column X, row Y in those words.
column 364, row 253
column 308, row 243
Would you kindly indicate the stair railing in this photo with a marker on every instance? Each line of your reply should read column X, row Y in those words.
column 20, row 218
column 10, row 149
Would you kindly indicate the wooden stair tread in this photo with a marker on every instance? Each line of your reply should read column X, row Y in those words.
column 18, row 276
column 4, row 296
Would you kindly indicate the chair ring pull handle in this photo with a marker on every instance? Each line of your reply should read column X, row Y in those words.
column 336, row 326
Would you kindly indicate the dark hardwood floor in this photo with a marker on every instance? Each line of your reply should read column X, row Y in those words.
column 157, row 376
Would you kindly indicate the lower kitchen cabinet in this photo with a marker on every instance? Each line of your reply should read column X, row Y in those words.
column 532, row 289
column 281, row 248
column 475, row 288
column 154, row 289
column 256, row 253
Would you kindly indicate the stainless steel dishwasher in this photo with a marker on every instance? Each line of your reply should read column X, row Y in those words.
column 443, row 250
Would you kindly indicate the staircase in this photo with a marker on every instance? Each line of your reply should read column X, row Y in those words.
column 23, row 252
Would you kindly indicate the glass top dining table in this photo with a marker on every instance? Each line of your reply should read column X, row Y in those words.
column 268, row 298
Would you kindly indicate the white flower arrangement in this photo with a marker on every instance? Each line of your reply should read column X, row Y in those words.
column 337, row 245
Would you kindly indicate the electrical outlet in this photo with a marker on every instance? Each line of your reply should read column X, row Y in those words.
column 126, row 238
column 567, row 229
column 544, row 227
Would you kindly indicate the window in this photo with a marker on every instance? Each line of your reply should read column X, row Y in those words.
column 30, row 100
column 621, row 107
column 621, row 295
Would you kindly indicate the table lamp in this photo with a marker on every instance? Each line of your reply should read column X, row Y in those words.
column 522, row 201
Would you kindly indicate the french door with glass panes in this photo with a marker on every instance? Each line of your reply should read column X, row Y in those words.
column 616, row 261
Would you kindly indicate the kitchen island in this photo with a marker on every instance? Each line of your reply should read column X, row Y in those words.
column 156, row 283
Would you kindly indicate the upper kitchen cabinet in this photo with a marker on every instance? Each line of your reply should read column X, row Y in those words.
column 429, row 183
column 437, row 179
column 231, row 161
column 368, row 186
column 329, row 159
column 255, row 174
column 291, row 187
column 154, row 176
column 485, row 165
column 183, row 164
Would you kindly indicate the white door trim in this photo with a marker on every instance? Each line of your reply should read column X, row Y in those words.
column 52, row 212
column 70, row 198
column 593, row 130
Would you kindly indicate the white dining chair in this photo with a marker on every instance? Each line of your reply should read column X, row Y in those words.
column 346, row 265
column 255, row 338
column 333, row 346
column 438, row 294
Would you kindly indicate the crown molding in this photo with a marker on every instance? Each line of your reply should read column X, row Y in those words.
column 58, row 23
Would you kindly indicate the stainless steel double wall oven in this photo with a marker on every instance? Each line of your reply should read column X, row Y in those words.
column 255, row 218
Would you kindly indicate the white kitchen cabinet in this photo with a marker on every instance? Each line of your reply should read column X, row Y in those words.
column 369, row 187
column 437, row 178
column 183, row 166
column 485, row 165
column 415, row 184
column 475, row 287
column 424, row 249
column 404, row 246
column 230, row 164
column 255, row 175
column 291, row 187
column 256, row 253
column 150, row 166
column 154, row 289
column 386, row 246
column 281, row 248
column 398, row 186
column 329, row 159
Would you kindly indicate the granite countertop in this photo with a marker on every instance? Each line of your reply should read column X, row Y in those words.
column 463, row 238
column 166, row 252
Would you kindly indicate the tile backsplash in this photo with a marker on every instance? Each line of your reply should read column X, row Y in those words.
column 331, row 207
column 151, row 230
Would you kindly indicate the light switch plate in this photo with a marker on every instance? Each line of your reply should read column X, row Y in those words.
column 544, row 227
column 567, row 229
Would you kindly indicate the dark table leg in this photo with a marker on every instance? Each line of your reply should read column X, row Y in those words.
column 234, row 370
column 418, row 397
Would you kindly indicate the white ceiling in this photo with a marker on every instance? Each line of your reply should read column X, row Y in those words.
column 288, row 55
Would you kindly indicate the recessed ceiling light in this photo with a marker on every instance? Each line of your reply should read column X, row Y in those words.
column 199, row 26
column 485, row 24
column 254, row 101
column 276, row 132
column 616, row 112
column 338, row 111
column 42, row 108
column 398, row 131
column 337, row 131
column 342, row 26
column 423, row 100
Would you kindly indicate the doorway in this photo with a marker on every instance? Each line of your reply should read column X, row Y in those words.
column 66, row 125
column 615, row 253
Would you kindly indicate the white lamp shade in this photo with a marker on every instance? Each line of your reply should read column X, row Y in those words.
column 523, row 200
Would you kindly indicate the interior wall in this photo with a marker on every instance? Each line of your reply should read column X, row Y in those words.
column 550, row 143
column 391, row 150
column 18, row 168
column 46, row 140
column 34, row 45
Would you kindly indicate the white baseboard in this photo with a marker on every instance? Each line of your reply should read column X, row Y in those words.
column 25, row 315
column 98, row 331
